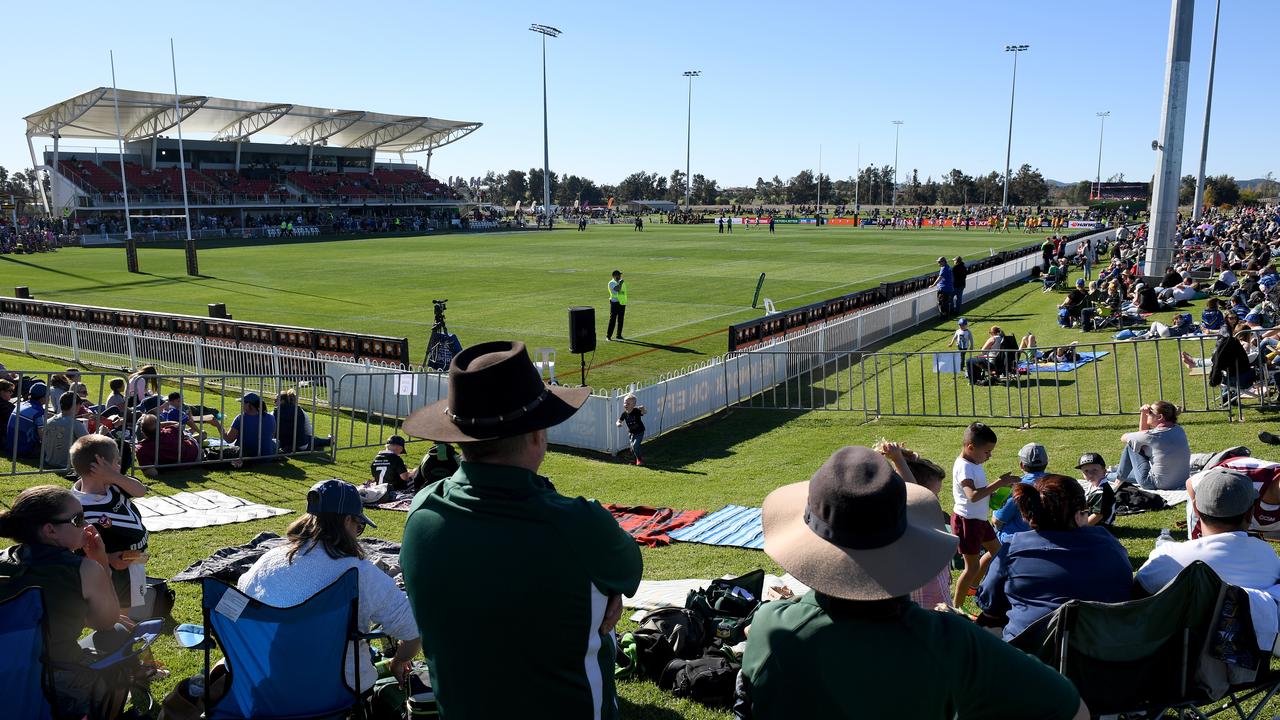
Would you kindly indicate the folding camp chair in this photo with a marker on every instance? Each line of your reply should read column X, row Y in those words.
column 23, row 673
column 1107, row 317
column 284, row 662
column 1189, row 648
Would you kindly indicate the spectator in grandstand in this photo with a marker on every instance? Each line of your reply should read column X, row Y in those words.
column 1158, row 455
column 1033, row 458
column 25, row 429
column 945, row 287
column 49, row 525
column 253, row 431
column 498, row 409
column 319, row 547
column 61, row 431
column 863, row 539
column 105, row 496
column 959, row 278
column 1061, row 557
column 293, row 425
column 1100, row 497
column 1224, row 500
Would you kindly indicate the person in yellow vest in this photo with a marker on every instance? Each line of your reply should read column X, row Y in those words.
column 617, row 304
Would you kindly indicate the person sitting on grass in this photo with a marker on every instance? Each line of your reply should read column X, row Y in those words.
column 253, row 431
column 1212, row 319
column 388, row 466
column 25, row 429
column 293, row 425
column 1231, row 366
column 173, row 410
column 1100, row 497
column 322, row 545
column 1071, row 307
column 117, row 399
column 49, row 526
column 61, row 431
column 1158, row 455
column 163, row 443
column 1033, row 458
column 971, row 500
column 863, row 537
column 6, row 406
column 106, row 497
column 1060, row 558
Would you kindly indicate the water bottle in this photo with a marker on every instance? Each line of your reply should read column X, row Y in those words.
column 1165, row 537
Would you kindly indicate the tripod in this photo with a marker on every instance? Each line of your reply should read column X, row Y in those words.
column 439, row 353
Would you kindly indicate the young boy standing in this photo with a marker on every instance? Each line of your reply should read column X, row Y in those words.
column 962, row 340
column 631, row 415
column 971, row 495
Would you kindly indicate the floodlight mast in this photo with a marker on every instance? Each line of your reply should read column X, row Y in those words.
column 688, row 142
column 897, row 126
column 1102, row 126
column 545, row 31
column 1008, row 150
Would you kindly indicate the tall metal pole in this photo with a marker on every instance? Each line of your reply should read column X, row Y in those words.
column 819, row 179
column 130, row 247
column 1008, row 150
column 856, row 179
column 1102, row 116
column 545, row 31
column 897, row 126
column 1197, row 206
column 1173, row 119
column 688, row 142
column 193, row 266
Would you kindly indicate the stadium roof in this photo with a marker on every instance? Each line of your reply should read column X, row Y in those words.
column 145, row 115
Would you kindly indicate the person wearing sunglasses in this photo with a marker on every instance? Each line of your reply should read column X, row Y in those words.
column 321, row 546
column 49, row 525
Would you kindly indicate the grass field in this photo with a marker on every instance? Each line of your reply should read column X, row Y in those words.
column 687, row 283
column 737, row 456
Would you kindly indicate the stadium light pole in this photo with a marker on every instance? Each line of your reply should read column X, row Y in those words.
column 1197, row 208
column 193, row 266
column 688, row 139
column 897, row 126
column 1008, row 149
column 1102, row 116
column 130, row 245
column 545, row 31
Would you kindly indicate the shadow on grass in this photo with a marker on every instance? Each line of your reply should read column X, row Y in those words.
column 633, row 711
column 667, row 348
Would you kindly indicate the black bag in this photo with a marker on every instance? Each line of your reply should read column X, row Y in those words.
column 667, row 634
column 1131, row 500
column 709, row 679
column 727, row 605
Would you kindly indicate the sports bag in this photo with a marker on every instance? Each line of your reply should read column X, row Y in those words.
column 726, row 606
column 666, row 634
column 709, row 679
column 1131, row 500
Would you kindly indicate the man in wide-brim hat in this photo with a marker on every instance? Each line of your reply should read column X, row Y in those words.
column 496, row 537
column 855, row 646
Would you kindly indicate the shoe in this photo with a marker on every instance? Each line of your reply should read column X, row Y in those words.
column 620, row 338
column 608, row 339
column 1268, row 438
column 639, row 461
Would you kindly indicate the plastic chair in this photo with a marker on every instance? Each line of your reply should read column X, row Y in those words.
column 23, row 673
column 285, row 663
column 1189, row 648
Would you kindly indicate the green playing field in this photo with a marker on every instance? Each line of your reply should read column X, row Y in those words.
column 686, row 283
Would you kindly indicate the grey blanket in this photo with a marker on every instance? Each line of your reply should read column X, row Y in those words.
column 229, row 563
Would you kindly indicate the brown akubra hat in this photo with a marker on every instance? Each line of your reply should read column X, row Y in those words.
column 494, row 392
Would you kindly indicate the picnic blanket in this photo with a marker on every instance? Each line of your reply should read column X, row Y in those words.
column 1061, row 367
column 400, row 501
column 731, row 525
column 654, row 594
column 204, row 508
column 229, row 563
column 1172, row 498
column 650, row 526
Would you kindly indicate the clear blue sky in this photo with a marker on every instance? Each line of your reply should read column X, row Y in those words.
column 778, row 78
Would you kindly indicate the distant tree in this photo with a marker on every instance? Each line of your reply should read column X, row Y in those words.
column 535, row 185
column 1078, row 193
column 676, row 186
column 988, row 189
column 1187, row 190
column 704, row 190
column 957, row 188
column 515, row 187
column 1027, row 187
column 802, row 189
column 1225, row 190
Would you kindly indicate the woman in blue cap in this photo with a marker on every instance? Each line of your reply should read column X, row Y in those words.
column 321, row 546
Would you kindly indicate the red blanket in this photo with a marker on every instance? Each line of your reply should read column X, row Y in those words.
column 648, row 525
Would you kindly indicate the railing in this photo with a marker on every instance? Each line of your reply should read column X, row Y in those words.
column 210, row 405
column 137, row 199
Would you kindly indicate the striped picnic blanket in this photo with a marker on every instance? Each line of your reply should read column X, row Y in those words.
column 731, row 525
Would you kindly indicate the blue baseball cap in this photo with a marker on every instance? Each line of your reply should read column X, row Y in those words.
column 38, row 390
column 336, row 496
column 250, row 398
column 962, row 321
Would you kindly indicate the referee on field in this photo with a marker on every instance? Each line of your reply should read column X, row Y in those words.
column 617, row 304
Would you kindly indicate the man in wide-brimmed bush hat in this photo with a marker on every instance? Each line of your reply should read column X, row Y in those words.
column 495, row 546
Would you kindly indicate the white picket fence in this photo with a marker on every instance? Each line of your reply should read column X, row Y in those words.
column 390, row 394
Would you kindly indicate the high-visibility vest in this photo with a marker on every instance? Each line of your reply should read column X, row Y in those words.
column 618, row 295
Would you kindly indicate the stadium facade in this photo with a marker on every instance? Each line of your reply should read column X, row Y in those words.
column 239, row 157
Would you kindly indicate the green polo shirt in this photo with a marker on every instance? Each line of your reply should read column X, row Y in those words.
column 508, row 580
column 905, row 663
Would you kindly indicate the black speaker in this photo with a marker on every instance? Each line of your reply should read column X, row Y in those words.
column 582, row 329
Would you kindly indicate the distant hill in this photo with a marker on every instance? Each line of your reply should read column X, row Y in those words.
column 1056, row 183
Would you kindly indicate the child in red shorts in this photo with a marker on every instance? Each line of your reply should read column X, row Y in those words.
column 970, row 519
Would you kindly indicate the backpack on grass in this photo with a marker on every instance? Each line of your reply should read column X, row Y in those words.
column 664, row 635
column 709, row 679
column 726, row 606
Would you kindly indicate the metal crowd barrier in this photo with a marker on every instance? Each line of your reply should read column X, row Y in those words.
column 210, row 405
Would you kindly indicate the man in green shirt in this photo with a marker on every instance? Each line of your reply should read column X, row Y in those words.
column 496, row 537
column 855, row 646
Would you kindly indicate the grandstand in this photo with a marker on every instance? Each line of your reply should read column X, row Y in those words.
column 237, row 156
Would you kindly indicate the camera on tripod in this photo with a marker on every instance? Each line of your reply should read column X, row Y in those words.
column 443, row 344
column 439, row 307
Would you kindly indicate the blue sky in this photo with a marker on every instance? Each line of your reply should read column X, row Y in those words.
column 779, row 79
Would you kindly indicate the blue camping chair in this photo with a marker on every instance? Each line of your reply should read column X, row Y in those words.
column 23, row 674
column 285, row 663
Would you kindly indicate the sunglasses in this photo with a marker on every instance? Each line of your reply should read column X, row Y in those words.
column 76, row 520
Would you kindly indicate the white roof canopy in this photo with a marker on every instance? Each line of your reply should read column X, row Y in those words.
column 145, row 115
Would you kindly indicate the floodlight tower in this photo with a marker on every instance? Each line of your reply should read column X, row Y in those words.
column 688, row 138
column 1102, row 116
column 897, row 125
column 1197, row 204
column 545, row 31
column 1008, row 150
